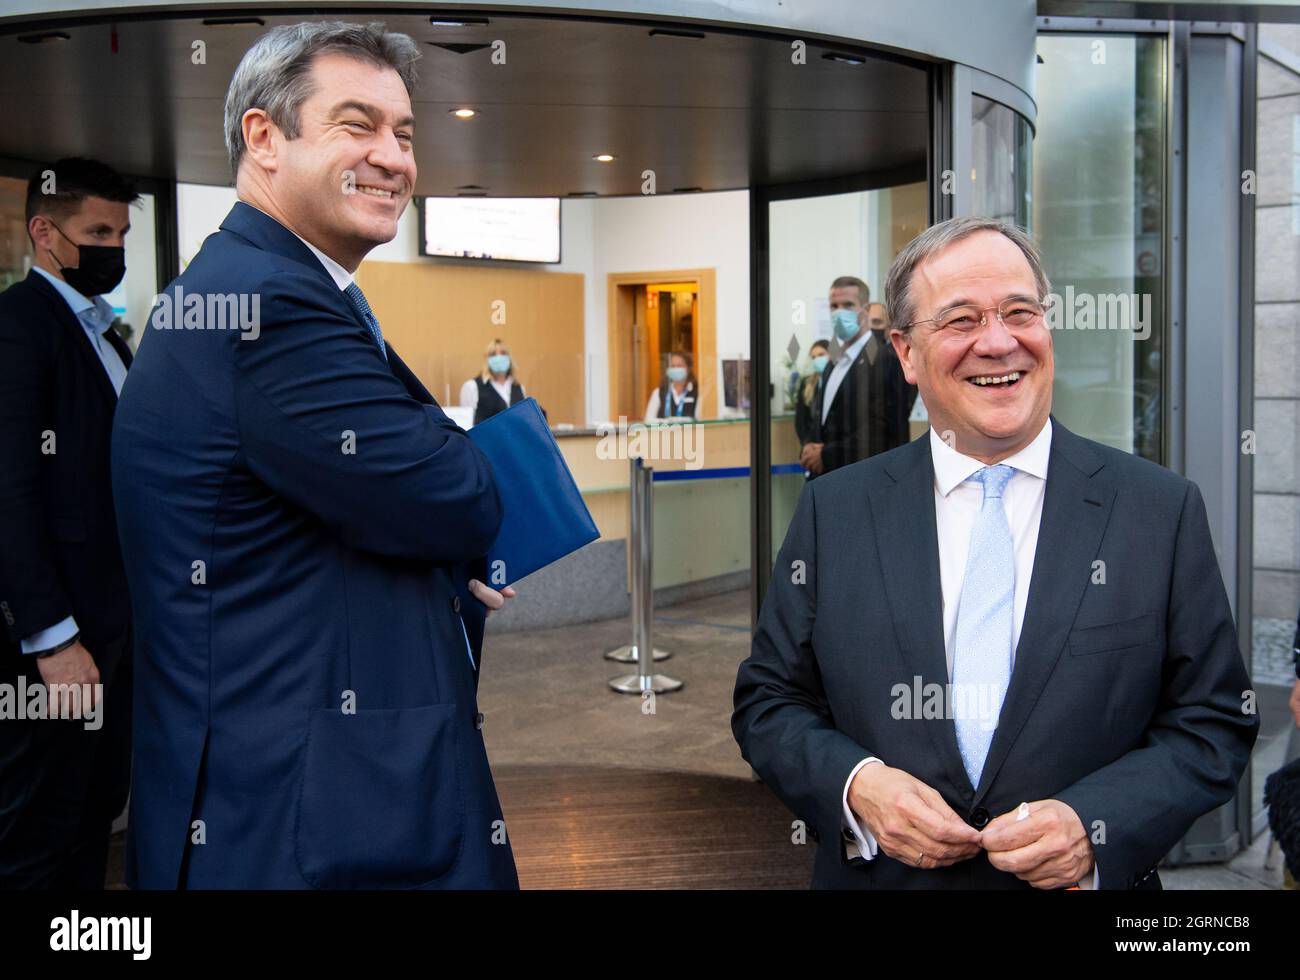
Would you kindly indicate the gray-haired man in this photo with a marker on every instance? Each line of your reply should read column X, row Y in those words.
column 942, row 684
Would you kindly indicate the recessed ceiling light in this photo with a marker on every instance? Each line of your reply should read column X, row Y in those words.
column 464, row 113
column 605, row 157
column 846, row 59
column 458, row 22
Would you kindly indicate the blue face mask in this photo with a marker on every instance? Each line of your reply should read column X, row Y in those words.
column 499, row 363
column 677, row 374
column 846, row 323
column 819, row 363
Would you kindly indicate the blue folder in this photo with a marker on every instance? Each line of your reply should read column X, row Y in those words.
column 545, row 515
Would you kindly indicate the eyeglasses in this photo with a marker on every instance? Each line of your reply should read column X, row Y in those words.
column 1015, row 313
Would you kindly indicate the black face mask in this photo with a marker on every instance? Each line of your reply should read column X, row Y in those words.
column 100, row 267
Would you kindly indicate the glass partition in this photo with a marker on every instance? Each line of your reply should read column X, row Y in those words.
column 813, row 241
column 1099, row 212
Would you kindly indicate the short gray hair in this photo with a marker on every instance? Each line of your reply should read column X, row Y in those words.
column 275, row 73
column 898, row 285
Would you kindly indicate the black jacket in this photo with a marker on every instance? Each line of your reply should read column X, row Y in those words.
column 868, row 414
column 60, row 555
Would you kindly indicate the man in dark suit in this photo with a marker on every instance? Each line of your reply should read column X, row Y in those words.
column 303, row 526
column 863, row 400
column 63, row 594
column 1001, row 656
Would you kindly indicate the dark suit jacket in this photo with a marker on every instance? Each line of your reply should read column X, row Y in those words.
column 329, row 578
column 1125, row 698
column 60, row 555
column 868, row 414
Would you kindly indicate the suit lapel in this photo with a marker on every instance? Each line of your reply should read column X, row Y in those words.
column 908, row 540
column 80, row 341
column 1076, row 508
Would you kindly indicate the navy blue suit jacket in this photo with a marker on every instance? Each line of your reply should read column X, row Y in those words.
column 1126, row 698
column 299, row 521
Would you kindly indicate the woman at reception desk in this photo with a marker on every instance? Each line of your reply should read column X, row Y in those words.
column 496, row 389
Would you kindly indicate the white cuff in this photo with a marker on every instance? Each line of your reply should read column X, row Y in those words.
column 1093, row 884
column 863, row 845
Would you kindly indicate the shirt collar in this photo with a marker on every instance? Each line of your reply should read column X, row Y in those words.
column 952, row 468
column 851, row 352
column 98, row 308
column 342, row 278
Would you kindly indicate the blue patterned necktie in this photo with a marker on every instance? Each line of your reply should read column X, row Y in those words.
column 358, row 300
column 981, row 666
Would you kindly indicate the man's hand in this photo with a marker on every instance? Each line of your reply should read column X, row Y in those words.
column 1295, row 703
column 491, row 597
column 1048, row 849
column 910, row 820
column 810, row 457
column 71, row 665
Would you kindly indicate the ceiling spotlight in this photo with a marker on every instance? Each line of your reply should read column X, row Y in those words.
column 605, row 157
column 844, row 59
column 464, row 113
column 458, row 22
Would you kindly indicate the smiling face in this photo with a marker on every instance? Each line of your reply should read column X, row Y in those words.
column 345, row 180
column 990, row 421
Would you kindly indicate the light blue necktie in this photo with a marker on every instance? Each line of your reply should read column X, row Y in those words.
column 981, row 666
column 358, row 299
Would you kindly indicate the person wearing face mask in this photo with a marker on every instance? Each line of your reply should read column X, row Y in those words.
column 806, row 393
column 63, row 592
column 496, row 389
column 675, row 398
column 864, row 400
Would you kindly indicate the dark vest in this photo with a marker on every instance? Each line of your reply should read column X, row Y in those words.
column 689, row 402
column 490, row 401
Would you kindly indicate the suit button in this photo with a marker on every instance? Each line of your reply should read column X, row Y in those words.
column 455, row 604
column 478, row 720
column 979, row 818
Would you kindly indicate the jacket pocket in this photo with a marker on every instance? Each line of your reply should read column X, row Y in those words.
column 380, row 802
column 1135, row 632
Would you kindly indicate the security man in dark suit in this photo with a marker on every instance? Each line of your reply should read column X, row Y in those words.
column 862, row 404
column 63, row 593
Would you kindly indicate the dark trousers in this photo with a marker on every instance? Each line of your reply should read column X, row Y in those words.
column 61, row 785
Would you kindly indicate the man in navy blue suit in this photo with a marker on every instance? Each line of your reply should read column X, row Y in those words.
column 304, row 529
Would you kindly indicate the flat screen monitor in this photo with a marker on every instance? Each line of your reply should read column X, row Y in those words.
column 512, row 229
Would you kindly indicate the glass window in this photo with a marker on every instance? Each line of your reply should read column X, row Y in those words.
column 14, row 262
column 1275, row 588
column 1000, row 158
column 813, row 242
column 1099, row 200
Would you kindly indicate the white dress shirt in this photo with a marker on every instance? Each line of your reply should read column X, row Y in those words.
column 840, row 369
column 96, row 318
column 652, row 403
column 956, row 505
column 469, row 391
